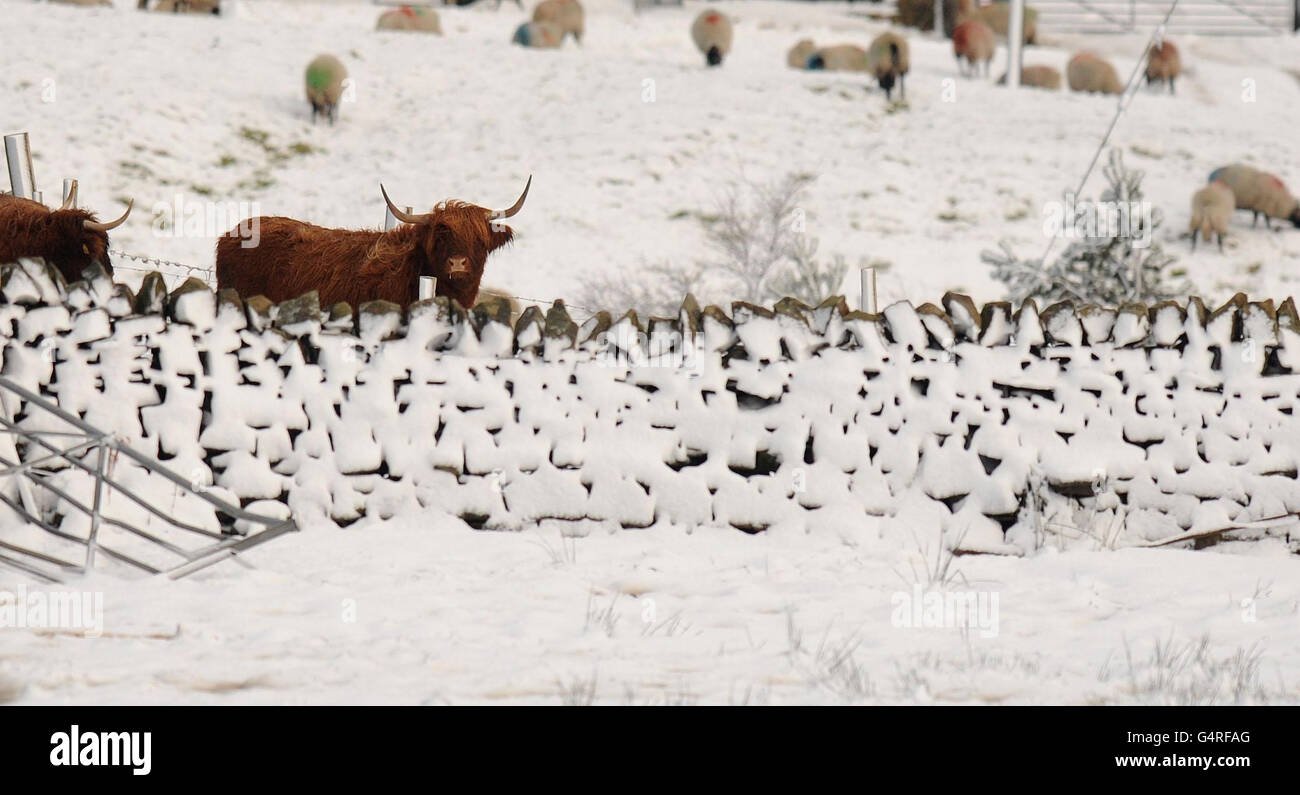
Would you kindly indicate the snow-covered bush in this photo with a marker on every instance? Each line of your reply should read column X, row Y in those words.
column 758, row 251
column 1111, row 266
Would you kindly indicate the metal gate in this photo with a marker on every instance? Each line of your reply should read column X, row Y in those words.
column 1202, row 17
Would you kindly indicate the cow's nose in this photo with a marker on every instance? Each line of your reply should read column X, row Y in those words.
column 458, row 264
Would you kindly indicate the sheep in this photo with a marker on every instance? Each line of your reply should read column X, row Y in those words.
column 1163, row 64
column 1087, row 72
column 542, row 35
column 712, row 34
column 998, row 17
column 1211, row 210
column 887, row 59
column 417, row 18
column 1260, row 192
column 1037, row 77
column 920, row 14
column 325, row 78
column 567, row 14
column 840, row 58
column 188, row 7
column 974, row 41
column 797, row 57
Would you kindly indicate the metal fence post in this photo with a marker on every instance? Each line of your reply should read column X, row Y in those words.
column 18, row 154
column 1015, row 42
column 867, row 277
column 92, row 543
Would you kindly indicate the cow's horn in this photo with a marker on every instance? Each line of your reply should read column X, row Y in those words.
column 96, row 226
column 514, row 208
column 405, row 218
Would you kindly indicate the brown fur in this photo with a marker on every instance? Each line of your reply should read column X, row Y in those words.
column 356, row 266
column 30, row 229
column 1038, row 76
column 974, row 41
column 1164, row 64
column 1088, row 72
column 567, row 14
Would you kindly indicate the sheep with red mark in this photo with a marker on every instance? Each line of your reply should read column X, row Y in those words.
column 974, row 41
column 1163, row 64
column 711, row 32
column 413, row 18
column 1260, row 192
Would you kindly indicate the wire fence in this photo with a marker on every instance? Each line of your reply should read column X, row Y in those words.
column 208, row 276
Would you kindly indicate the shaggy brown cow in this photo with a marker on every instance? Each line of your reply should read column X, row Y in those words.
column 450, row 243
column 68, row 238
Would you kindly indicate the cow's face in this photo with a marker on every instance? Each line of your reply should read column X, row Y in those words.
column 73, row 246
column 456, row 242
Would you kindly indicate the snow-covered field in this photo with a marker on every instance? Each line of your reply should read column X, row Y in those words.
column 212, row 108
column 426, row 610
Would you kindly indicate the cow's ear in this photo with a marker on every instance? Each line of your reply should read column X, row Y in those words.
column 501, row 234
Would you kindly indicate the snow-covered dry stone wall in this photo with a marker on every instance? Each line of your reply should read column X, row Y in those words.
column 1003, row 426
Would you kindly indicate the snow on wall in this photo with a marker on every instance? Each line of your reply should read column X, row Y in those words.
column 999, row 424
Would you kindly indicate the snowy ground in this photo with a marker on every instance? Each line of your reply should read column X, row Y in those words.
column 431, row 612
column 160, row 105
column 427, row 610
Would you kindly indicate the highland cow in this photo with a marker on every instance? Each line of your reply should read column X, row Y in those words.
column 451, row 243
column 68, row 238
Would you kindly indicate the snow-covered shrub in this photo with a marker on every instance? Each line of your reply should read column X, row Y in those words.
column 758, row 251
column 654, row 289
column 1119, row 264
